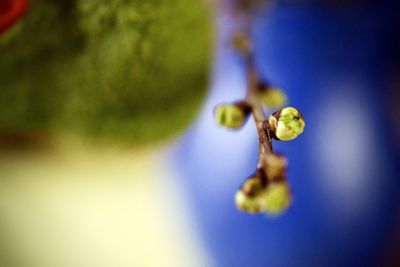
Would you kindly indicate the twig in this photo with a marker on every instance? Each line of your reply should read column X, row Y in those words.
column 266, row 189
column 264, row 137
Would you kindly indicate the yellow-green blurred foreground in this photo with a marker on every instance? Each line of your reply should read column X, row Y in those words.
column 80, row 206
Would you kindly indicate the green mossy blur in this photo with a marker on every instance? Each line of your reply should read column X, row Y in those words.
column 125, row 70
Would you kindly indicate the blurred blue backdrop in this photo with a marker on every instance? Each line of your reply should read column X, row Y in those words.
column 336, row 65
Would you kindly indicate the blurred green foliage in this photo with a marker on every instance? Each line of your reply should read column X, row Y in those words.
column 126, row 70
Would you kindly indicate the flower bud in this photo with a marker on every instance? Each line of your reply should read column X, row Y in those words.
column 276, row 165
column 272, row 198
column 276, row 198
column 286, row 124
column 231, row 115
column 247, row 197
column 247, row 203
column 273, row 97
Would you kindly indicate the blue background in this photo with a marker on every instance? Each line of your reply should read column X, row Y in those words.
column 335, row 64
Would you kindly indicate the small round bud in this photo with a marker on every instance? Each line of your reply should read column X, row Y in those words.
column 286, row 124
column 241, row 43
column 247, row 197
column 273, row 198
column 273, row 97
column 231, row 115
column 276, row 199
column 247, row 203
column 253, row 185
column 275, row 166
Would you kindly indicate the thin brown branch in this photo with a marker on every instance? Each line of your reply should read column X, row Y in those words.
column 264, row 138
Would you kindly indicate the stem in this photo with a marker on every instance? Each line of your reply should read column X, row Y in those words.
column 252, row 98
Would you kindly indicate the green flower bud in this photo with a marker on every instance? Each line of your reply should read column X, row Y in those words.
column 276, row 198
column 275, row 166
column 247, row 203
column 231, row 115
column 286, row 124
column 273, row 97
column 247, row 198
column 253, row 185
column 273, row 198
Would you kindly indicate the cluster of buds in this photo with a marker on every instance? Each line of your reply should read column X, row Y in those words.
column 267, row 190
